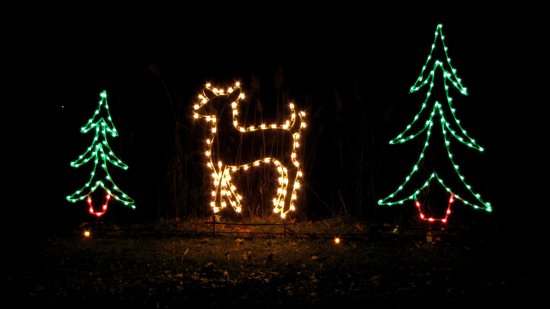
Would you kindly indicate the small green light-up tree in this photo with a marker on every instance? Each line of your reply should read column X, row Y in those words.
column 101, row 155
column 432, row 115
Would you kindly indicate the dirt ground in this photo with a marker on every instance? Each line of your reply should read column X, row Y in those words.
column 171, row 267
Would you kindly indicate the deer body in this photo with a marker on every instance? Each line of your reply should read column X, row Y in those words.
column 232, row 147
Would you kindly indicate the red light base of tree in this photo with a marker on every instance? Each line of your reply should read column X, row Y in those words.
column 104, row 207
column 424, row 217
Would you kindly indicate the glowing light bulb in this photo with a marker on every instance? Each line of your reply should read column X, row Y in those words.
column 102, row 122
column 450, row 125
column 223, row 181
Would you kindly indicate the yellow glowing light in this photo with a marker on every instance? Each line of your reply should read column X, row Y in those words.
column 288, row 175
column 87, row 233
column 337, row 240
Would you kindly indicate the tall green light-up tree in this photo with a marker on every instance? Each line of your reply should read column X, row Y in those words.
column 101, row 155
column 432, row 115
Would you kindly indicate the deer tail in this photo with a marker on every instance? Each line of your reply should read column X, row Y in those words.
column 298, row 120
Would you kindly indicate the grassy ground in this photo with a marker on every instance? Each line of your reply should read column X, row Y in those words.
column 172, row 265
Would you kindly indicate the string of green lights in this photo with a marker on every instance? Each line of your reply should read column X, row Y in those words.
column 451, row 125
column 99, row 151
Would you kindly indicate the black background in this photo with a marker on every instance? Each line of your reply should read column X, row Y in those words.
column 337, row 59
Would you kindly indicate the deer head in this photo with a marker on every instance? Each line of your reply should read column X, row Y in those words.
column 215, row 102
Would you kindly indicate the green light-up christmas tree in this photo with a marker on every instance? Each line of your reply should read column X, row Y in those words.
column 100, row 154
column 434, row 114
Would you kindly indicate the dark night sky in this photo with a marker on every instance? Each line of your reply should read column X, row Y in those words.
column 56, row 59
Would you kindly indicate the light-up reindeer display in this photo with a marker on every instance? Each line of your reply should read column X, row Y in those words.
column 232, row 147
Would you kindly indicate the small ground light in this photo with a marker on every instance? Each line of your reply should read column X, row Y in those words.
column 337, row 240
column 87, row 233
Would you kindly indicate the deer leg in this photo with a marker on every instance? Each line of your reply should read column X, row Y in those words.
column 292, row 172
column 225, row 187
column 278, row 200
column 232, row 195
column 217, row 198
column 294, row 175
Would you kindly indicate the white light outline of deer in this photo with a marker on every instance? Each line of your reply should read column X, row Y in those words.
column 224, row 191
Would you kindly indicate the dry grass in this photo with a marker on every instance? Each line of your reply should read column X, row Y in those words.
column 174, row 264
